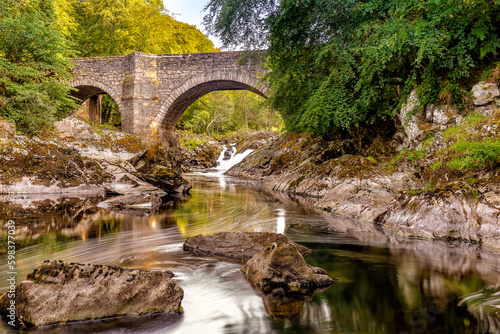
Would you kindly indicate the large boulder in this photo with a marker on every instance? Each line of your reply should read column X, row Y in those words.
column 484, row 93
column 238, row 244
column 59, row 292
column 283, row 265
column 110, row 146
column 165, row 178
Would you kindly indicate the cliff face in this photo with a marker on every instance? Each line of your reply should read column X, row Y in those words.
column 436, row 175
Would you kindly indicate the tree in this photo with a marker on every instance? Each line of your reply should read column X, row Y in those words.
column 225, row 111
column 339, row 64
column 33, row 66
column 118, row 27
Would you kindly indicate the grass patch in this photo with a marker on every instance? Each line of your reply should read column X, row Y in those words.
column 192, row 143
column 415, row 155
column 436, row 165
column 475, row 154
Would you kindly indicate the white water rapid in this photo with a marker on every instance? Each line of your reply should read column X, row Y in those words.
column 224, row 165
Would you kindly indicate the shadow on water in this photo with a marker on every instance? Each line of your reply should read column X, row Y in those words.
column 383, row 284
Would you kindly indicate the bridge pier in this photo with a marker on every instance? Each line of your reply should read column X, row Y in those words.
column 95, row 109
column 140, row 96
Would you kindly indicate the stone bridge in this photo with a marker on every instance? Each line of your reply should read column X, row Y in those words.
column 153, row 91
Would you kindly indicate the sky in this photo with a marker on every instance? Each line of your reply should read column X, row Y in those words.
column 190, row 11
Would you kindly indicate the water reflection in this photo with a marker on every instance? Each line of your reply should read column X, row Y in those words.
column 284, row 302
column 384, row 284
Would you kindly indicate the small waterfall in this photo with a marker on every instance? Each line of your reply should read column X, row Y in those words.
column 224, row 165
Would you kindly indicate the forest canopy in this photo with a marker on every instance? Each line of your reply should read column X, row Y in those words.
column 340, row 64
column 118, row 27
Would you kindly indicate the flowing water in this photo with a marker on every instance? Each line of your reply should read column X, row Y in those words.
column 383, row 284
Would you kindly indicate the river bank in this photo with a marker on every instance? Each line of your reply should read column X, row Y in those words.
column 76, row 158
column 431, row 173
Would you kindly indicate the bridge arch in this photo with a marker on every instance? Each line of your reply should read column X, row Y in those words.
column 176, row 104
column 88, row 88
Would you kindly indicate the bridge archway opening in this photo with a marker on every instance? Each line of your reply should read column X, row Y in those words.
column 208, row 103
column 98, row 106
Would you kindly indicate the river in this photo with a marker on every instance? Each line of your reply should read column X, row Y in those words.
column 383, row 284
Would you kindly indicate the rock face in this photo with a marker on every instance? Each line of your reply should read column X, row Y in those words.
column 453, row 214
column 77, row 159
column 239, row 244
column 59, row 292
column 283, row 265
column 204, row 155
column 411, row 120
column 365, row 200
column 7, row 130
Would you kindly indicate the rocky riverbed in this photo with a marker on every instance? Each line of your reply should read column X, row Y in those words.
column 432, row 173
column 76, row 158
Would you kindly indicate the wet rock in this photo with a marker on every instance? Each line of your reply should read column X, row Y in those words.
column 238, row 244
column 166, row 179
column 145, row 200
column 484, row 93
column 59, row 292
column 283, row 265
column 365, row 200
column 229, row 152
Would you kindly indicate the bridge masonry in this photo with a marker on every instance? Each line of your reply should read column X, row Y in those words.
column 153, row 91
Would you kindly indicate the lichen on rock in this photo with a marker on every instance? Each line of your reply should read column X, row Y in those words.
column 283, row 265
column 238, row 244
column 59, row 292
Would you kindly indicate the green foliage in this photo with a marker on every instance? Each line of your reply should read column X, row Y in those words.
column 227, row 111
column 33, row 68
column 110, row 113
column 193, row 143
column 117, row 27
column 415, row 155
column 339, row 64
column 476, row 154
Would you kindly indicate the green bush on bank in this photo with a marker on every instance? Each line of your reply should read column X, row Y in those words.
column 340, row 64
column 33, row 67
